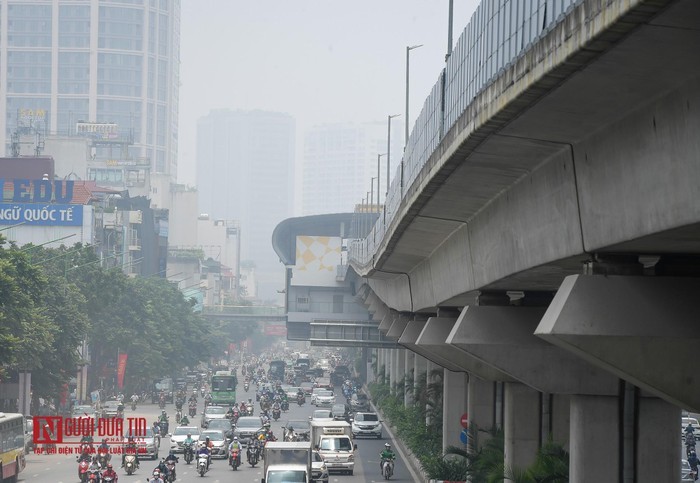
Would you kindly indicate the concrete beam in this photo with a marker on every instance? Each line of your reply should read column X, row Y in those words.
column 397, row 328
column 502, row 337
column 387, row 320
column 642, row 329
column 432, row 340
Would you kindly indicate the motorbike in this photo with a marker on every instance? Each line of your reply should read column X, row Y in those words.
column 249, row 408
column 161, row 403
column 163, row 426
column 171, row 471
column 188, row 453
column 387, row 468
column 94, row 474
column 246, row 386
column 107, row 479
column 102, row 456
column 276, row 413
column 193, row 410
column 133, row 405
column 178, row 416
column 83, row 466
column 300, row 400
column 130, row 464
column 201, row 391
column 252, row 455
column 285, row 406
column 234, row 459
column 202, row 464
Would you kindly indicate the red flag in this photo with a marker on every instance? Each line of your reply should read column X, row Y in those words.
column 121, row 369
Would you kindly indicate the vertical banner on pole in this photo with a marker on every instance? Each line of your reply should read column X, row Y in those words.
column 121, row 370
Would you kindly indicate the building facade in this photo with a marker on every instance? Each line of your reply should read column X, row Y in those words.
column 339, row 162
column 245, row 172
column 66, row 64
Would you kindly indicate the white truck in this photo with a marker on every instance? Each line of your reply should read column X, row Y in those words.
column 333, row 440
column 287, row 462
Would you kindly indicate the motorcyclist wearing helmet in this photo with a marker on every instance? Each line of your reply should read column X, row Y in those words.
column 109, row 472
column 131, row 448
column 172, row 458
column 156, row 477
column 235, row 445
column 204, row 449
column 185, row 421
column 385, row 455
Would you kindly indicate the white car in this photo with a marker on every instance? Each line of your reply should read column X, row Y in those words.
column 179, row 436
column 367, row 424
column 325, row 398
column 314, row 393
column 213, row 412
column 321, row 415
column 217, row 438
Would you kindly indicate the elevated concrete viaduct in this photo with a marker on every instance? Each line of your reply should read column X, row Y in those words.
column 557, row 224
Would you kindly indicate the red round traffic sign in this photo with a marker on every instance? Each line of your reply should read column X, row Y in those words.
column 464, row 420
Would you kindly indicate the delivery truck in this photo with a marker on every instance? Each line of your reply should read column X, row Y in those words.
column 285, row 462
column 333, row 440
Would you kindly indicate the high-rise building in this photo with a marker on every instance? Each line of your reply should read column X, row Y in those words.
column 245, row 172
column 340, row 161
column 67, row 63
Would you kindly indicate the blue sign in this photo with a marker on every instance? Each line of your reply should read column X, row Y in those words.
column 41, row 214
column 464, row 436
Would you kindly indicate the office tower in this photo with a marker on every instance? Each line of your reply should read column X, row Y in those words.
column 66, row 62
column 245, row 172
column 339, row 162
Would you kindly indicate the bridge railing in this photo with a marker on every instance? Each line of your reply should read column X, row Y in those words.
column 496, row 35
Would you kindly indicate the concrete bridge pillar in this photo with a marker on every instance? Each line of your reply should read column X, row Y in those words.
column 429, row 368
column 560, row 421
column 400, row 360
column 454, row 405
column 393, row 357
column 657, row 434
column 481, row 408
column 522, row 425
column 595, row 441
column 409, row 367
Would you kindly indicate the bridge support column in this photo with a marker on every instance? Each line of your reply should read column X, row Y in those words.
column 521, row 425
column 429, row 368
column 657, row 435
column 409, row 368
column 481, row 408
column 400, row 359
column 595, row 442
column 560, row 421
column 394, row 358
column 454, row 405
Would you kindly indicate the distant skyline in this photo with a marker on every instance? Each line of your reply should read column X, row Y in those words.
column 321, row 61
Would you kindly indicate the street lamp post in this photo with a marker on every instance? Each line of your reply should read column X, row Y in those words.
column 405, row 140
column 379, row 178
column 371, row 195
column 388, row 155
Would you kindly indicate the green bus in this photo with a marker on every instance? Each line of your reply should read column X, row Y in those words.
column 223, row 388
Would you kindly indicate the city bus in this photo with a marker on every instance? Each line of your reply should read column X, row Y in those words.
column 223, row 388
column 11, row 446
column 276, row 372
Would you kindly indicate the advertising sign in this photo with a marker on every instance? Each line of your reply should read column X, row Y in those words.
column 41, row 214
column 317, row 260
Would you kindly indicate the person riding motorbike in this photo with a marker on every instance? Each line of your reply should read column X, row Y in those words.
column 103, row 449
column 184, row 421
column 132, row 449
column 109, row 472
column 229, row 413
column 193, row 398
column 204, row 449
column 693, row 461
column 173, row 459
column 95, row 466
column 385, row 455
column 235, row 445
column 156, row 477
column 87, row 440
column 269, row 436
column 163, row 422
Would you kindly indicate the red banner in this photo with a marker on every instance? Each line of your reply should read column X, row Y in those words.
column 121, row 369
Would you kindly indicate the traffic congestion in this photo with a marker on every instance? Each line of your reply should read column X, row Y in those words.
column 282, row 417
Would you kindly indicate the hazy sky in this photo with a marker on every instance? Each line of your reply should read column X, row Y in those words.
column 318, row 60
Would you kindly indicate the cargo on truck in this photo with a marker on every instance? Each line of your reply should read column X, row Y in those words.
column 287, row 462
column 333, row 440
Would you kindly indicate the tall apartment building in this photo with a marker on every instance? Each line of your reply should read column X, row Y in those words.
column 339, row 161
column 245, row 172
column 64, row 63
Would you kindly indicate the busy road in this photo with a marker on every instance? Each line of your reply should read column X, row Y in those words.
column 62, row 468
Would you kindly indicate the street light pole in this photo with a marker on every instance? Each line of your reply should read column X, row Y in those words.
column 371, row 196
column 388, row 155
column 408, row 51
column 379, row 163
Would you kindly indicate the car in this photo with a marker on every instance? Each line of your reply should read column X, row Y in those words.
column 307, row 387
column 686, row 474
column 325, row 398
column 110, row 408
column 246, row 427
column 82, row 410
column 324, row 383
column 319, row 470
column 291, row 392
column 147, row 442
column 180, row 434
column 359, row 403
column 212, row 412
column 301, row 427
column 340, row 412
column 321, row 415
column 224, row 425
column 218, row 440
column 367, row 424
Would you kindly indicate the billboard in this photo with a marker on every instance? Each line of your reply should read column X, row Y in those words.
column 317, row 260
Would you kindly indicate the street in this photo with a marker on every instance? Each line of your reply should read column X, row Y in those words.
column 60, row 468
